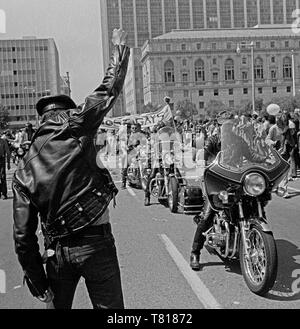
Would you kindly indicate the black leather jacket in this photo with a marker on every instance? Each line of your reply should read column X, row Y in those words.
column 60, row 166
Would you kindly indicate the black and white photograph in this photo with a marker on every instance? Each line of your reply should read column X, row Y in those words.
column 149, row 157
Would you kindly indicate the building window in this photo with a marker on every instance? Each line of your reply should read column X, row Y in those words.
column 214, row 46
column 14, row 60
column 288, row 89
column 185, row 93
column 245, row 91
column 15, row 72
column 216, row 92
column 168, row 47
column 230, row 91
column 183, row 46
column 274, row 90
column 215, row 76
column 260, row 90
column 257, row 44
column 231, row 103
column 201, row 93
column 286, row 44
column 273, row 59
column 228, row 45
column 273, row 74
column 244, row 75
column 214, row 61
column 229, row 70
column 272, row 44
column 199, row 71
column 185, row 78
column 244, row 60
column 287, row 68
column 169, row 71
column 198, row 46
column 184, row 62
column 258, row 69
column 201, row 105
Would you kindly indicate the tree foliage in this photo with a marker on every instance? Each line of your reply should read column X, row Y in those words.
column 214, row 107
column 3, row 117
column 185, row 109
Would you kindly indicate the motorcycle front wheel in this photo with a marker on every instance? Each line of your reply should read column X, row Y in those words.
column 260, row 268
column 173, row 195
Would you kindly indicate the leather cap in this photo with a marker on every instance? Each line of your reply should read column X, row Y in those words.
column 49, row 103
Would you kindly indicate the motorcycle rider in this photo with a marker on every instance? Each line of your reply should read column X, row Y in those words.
column 134, row 139
column 236, row 148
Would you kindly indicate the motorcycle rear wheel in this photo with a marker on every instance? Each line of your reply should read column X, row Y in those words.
column 260, row 270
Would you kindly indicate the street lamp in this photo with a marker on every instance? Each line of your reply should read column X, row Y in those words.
column 238, row 50
column 293, row 73
column 25, row 101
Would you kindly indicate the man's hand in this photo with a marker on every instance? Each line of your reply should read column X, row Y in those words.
column 119, row 37
column 47, row 297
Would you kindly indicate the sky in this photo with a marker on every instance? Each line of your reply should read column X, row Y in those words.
column 75, row 27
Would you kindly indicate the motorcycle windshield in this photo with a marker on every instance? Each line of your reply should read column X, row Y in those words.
column 243, row 145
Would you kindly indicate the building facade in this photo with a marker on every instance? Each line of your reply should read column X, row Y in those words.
column 29, row 69
column 217, row 65
column 147, row 19
column 133, row 86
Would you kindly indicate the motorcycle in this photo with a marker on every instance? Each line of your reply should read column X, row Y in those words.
column 20, row 152
column 238, row 187
column 138, row 171
column 169, row 187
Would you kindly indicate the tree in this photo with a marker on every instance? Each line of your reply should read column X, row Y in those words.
column 149, row 107
column 185, row 109
column 214, row 107
column 3, row 117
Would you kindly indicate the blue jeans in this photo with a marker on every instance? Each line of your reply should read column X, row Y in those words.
column 92, row 257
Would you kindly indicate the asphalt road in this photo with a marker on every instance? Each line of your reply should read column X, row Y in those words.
column 154, row 248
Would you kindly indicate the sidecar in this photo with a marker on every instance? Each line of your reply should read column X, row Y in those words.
column 191, row 199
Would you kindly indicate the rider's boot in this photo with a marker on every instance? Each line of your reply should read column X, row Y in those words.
column 195, row 261
column 147, row 200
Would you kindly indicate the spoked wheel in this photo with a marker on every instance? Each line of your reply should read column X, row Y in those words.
column 173, row 194
column 260, row 268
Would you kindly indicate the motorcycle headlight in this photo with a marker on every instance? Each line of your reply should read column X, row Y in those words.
column 254, row 184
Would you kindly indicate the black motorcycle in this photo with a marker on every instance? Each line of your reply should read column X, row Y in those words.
column 238, row 184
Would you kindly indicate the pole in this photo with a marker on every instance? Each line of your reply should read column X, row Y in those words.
column 25, row 103
column 68, row 83
column 293, row 73
column 253, row 80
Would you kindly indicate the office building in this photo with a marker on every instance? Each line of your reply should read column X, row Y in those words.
column 217, row 65
column 29, row 69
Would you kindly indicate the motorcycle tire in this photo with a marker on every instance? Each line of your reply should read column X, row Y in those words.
column 266, row 255
column 173, row 195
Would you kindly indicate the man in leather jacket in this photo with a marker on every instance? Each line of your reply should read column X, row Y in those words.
column 211, row 149
column 59, row 181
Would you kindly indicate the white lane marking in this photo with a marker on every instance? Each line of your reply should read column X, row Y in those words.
column 131, row 192
column 199, row 288
column 17, row 287
column 293, row 189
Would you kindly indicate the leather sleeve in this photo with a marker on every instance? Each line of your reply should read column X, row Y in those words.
column 26, row 242
column 99, row 103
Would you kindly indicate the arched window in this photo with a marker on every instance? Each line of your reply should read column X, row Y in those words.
column 229, row 70
column 258, row 69
column 287, row 68
column 169, row 72
column 199, row 71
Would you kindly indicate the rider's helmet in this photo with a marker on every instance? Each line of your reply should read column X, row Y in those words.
column 224, row 116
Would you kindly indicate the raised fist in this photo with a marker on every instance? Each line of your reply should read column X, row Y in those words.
column 119, row 37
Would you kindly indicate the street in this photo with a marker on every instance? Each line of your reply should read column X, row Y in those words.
column 154, row 248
